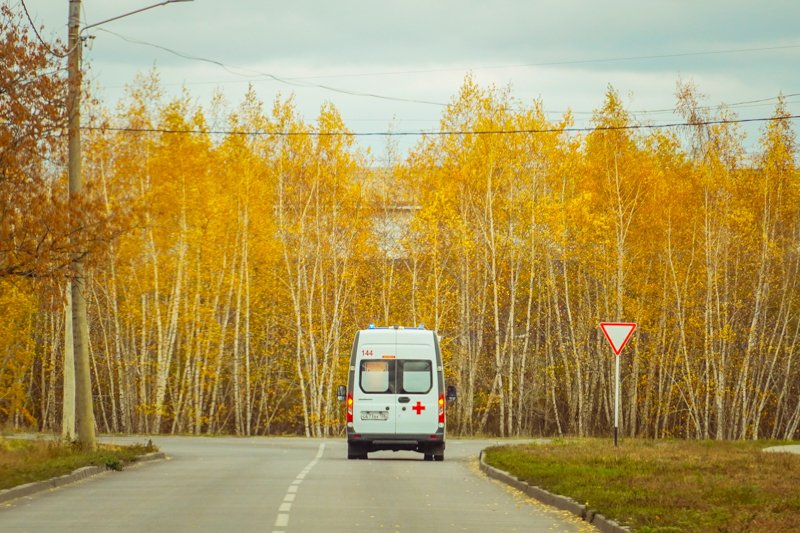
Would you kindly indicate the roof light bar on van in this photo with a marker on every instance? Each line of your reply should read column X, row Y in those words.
column 372, row 326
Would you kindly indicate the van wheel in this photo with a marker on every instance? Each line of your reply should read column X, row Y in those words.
column 356, row 452
column 438, row 457
column 429, row 457
column 359, row 455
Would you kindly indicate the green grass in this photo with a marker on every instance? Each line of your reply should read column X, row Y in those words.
column 666, row 486
column 25, row 461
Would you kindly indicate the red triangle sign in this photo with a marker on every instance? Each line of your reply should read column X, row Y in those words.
column 617, row 334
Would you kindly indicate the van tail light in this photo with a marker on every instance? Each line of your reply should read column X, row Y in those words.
column 441, row 408
column 349, row 407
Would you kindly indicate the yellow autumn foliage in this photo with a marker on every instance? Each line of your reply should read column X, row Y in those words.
column 251, row 258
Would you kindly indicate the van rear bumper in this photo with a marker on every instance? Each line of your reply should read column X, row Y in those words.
column 423, row 443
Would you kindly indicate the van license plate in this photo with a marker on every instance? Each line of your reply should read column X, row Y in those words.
column 374, row 415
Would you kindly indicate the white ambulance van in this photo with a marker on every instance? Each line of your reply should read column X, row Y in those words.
column 395, row 393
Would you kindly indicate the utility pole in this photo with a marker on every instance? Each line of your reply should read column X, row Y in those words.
column 68, row 415
column 84, row 407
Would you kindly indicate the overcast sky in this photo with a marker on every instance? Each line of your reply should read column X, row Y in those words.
column 564, row 52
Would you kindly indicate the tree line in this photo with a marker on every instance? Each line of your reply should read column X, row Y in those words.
column 228, row 273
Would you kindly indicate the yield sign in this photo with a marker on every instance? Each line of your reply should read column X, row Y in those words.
column 617, row 334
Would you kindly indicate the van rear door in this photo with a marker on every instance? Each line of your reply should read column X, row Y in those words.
column 417, row 389
column 374, row 390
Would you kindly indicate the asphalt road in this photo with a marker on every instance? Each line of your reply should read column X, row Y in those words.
column 287, row 485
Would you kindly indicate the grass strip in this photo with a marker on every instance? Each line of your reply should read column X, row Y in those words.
column 666, row 486
column 24, row 461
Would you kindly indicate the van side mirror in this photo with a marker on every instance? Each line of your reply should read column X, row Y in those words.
column 451, row 394
column 341, row 393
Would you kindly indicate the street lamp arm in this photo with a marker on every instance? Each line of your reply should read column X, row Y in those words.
column 132, row 13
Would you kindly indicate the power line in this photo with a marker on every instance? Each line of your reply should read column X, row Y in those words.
column 437, row 133
column 44, row 43
column 660, row 56
column 297, row 81
column 288, row 81
column 520, row 105
column 553, row 63
column 745, row 103
column 737, row 105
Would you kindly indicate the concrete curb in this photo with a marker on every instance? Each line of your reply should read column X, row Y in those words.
column 29, row 489
column 564, row 503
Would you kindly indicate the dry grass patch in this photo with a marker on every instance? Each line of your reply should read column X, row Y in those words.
column 661, row 486
column 25, row 461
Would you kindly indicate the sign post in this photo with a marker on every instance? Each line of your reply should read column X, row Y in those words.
column 617, row 334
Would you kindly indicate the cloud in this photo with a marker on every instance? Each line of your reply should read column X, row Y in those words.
column 566, row 52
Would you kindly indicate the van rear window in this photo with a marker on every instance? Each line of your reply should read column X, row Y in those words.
column 375, row 376
column 416, row 377
column 380, row 376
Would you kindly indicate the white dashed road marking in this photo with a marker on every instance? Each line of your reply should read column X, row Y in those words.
column 285, row 508
column 282, row 520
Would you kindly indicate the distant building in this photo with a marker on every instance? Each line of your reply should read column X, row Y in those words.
column 391, row 227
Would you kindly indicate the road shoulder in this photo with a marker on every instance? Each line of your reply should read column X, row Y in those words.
column 603, row 524
column 29, row 489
